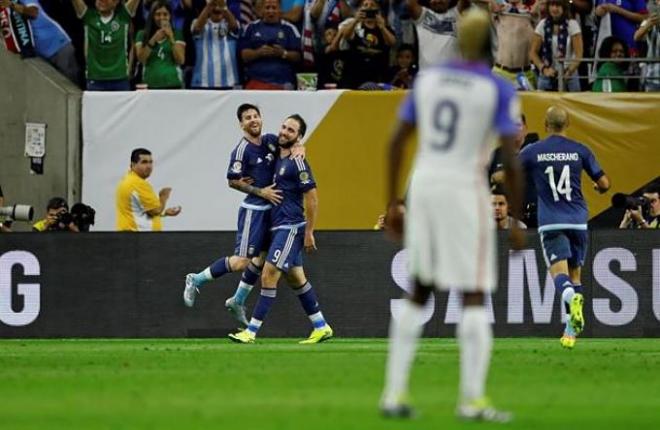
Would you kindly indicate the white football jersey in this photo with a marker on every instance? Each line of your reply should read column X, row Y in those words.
column 459, row 108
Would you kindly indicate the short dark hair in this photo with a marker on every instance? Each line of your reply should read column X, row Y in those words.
column 406, row 47
column 498, row 190
column 57, row 203
column 246, row 107
column 302, row 129
column 653, row 188
column 135, row 155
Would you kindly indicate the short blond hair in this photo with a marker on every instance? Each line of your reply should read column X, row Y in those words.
column 474, row 34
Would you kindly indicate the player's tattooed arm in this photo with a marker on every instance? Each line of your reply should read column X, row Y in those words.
column 245, row 185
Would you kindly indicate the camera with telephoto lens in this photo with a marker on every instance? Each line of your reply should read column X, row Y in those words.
column 17, row 212
column 625, row 201
column 82, row 216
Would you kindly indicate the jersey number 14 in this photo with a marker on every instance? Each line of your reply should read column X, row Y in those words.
column 563, row 186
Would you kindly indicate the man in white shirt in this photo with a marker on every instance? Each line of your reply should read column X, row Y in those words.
column 436, row 29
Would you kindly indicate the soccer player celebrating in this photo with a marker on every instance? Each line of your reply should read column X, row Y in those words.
column 250, row 171
column 457, row 107
column 291, row 231
column 555, row 164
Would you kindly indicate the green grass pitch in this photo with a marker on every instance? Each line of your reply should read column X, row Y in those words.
column 277, row 384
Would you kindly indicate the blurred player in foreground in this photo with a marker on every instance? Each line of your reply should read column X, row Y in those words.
column 457, row 107
column 555, row 165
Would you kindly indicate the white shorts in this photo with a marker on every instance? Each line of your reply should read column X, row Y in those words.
column 450, row 235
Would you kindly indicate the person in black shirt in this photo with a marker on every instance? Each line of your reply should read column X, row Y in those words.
column 369, row 41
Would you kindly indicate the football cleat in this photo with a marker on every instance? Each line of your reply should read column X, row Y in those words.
column 397, row 409
column 482, row 410
column 237, row 311
column 318, row 335
column 576, row 316
column 567, row 341
column 245, row 336
column 401, row 411
column 190, row 291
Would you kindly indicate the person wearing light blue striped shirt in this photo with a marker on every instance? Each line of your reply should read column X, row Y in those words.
column 215, row 33
column 649, row 31
column 51, row 41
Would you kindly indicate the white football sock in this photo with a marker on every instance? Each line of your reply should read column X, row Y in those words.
column 475, row 338
column 567, row 294
column 405, row 331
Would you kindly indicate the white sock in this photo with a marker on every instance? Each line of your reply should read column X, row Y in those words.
column 405, row 331
column 475, row 339
column 567, row 294
column 206, row 274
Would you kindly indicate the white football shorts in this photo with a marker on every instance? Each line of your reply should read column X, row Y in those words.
column 450, row 234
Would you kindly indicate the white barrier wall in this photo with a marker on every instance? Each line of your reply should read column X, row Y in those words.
column 191, row 135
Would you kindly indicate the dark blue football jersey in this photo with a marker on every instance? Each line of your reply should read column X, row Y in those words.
column 255, row 161
column 555, row 165
column 294, row 178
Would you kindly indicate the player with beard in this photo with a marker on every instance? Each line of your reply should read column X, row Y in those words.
column 291, row 231
column 250, row 171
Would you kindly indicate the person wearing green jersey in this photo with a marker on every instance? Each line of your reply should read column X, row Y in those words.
column 161, row 49
column 106, row 42
column 610, row 75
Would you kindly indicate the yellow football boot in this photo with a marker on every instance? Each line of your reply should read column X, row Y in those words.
column 245, row 336
column 318, row 335
column 567, row 341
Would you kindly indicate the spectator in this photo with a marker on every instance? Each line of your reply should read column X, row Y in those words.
column 324, row 14
column 106, row 29
column 215, row 33
column 177, row 8
column 556, row 38
column 57, row 218
column 270, row 48
column 650, row 31
column 51, row 41
column 513, row 26
column 369, row 41
column 436, row 29
column 582, row 11
column 501, row 210
column 400, row 21
column 625, row 16
column 138, row 208
column 648, row 218
column 609, row 77
column 330, row 61
column 402, row 75
column 161, row 49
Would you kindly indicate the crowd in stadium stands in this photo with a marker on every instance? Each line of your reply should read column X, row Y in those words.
column 357, row 44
